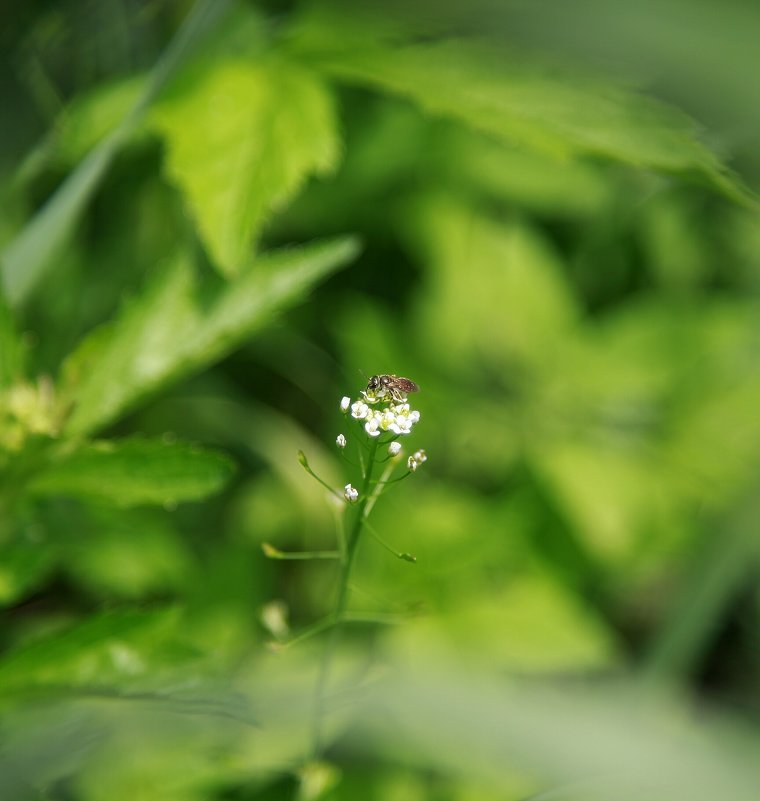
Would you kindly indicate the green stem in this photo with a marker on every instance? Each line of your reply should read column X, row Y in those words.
column 407, row 557
column 340, row 605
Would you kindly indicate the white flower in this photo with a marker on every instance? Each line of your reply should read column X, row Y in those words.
column 401, row 426
column 372, row 426
column 359, row 410
column 403, row 418
column 416, row 459
column 340, row 441
column 396, row 418
column 394, row 448
column 350, row 494
column 345, row 402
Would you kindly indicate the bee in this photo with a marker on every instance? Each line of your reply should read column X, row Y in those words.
column 394, row 385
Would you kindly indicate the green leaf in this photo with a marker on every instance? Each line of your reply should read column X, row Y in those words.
column 24, row 565
column 33, row 251
column 103, row 650
column 241, row 137
column 525, row 103
column 179, row 325
column 11, row 347
column 513, row 285
column 135, row 471
column 115, row 553
column 542, row 629
column 92, row 116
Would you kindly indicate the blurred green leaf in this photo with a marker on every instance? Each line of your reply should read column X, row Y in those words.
column 677, row 242
column 588, row 741
column 177, row 758
column 92, row 116
column 31, row 254
column 134, row 471
column 726, row 560
column 532, row 105
column 611, row 497
column 124, row 554
column 24, row 565
column 505, row 275
column 531, row 626
column 528, row 180
column 104, row 650
column 635, row 411
column 11, row 348
column 179, row 325
column 238, row 152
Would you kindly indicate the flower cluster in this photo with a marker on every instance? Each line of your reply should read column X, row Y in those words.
column 397, row 418
column 381, row 411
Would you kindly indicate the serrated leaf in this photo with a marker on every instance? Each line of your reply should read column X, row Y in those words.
column 522, row 102
column 241, row 137
column 179, row 325
column 135, row 471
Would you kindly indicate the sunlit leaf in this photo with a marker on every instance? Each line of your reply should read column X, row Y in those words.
column 135, row 471
column 238, row 151
column 179, row 325
column 531, row 105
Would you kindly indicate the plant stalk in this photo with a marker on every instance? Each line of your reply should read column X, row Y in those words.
column 333, row 640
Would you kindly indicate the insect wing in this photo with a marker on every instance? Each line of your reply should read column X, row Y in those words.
column 405, row 384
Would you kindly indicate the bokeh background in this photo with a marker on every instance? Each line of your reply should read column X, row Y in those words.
column 510, row 205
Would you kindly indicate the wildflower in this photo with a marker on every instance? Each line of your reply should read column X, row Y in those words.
column 394, row 448
column 416, row 459
column 359, row 410
column 372, row 426
column 403, row 418
column 345, row 402
column 350, row 494
column 340, row 441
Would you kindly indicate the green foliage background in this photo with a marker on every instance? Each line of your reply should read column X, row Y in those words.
column 215, row 216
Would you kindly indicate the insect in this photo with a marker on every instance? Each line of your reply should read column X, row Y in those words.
column 394, row 385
